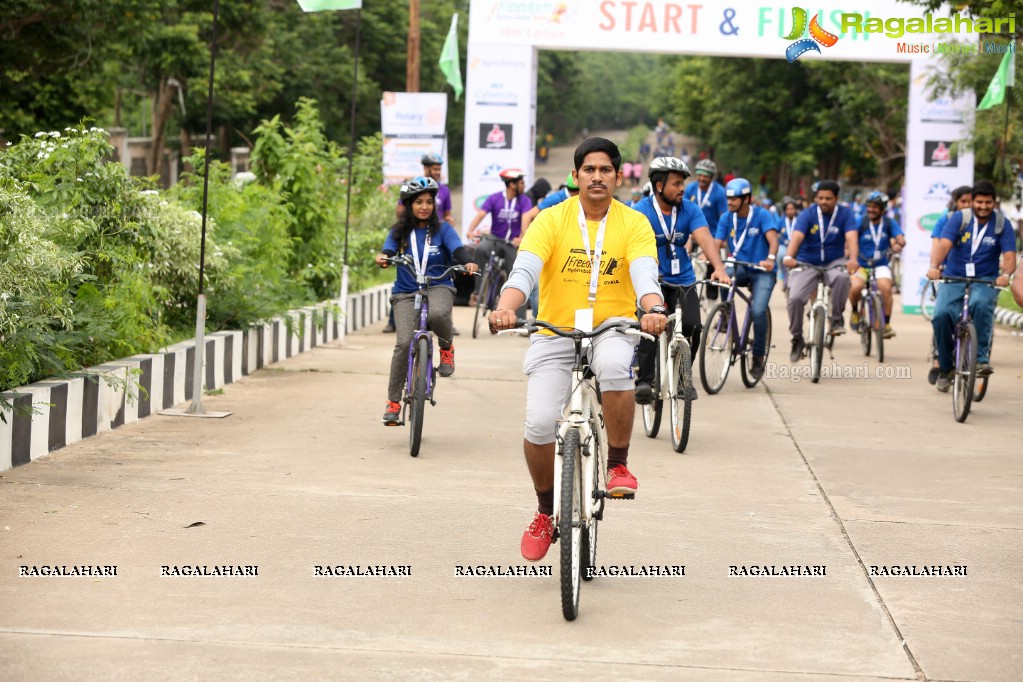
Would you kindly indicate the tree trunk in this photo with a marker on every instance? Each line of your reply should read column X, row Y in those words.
column 186, row 150
column 161, row 113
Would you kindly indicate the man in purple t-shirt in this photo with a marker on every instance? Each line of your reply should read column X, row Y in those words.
column 506, row 210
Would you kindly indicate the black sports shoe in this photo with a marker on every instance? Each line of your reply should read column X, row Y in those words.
column 798, row 346
column 644, row 393
column 932, row 376
column 757, row 370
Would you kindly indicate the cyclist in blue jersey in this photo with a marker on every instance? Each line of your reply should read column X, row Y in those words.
column 433, row 245
column 709, row 196
column 878, row 233
column 824, row 233
column 673, row 221
column 750, row 234
column 636, row 196
column 962, row 199
column 786, row 223
column 978, row 242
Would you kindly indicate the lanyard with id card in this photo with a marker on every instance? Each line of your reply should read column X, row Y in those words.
column 584, row 316
column 975, row 241
column 669, row 235
column 419, row 263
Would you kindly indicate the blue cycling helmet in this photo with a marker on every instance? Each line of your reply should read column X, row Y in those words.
column 739, row 187
column 877, row 197
column 416, row 186
column 432, row 159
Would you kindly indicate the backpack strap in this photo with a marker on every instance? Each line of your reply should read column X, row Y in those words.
column 967, row 219
column 968, row 216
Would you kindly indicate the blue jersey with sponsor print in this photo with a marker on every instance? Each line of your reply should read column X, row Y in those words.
column 687, row 219
column 811, row 250
column 889, row 230
column 714, row 203
column 751, row 231
column 553, row 199
column 442, row 248
column 988, row 252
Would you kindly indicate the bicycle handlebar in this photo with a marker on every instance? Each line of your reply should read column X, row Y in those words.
column 755, row 266
column 818, row 268
column 871, row 262
column 407, row 262
column 527, row 327
column 969, row 280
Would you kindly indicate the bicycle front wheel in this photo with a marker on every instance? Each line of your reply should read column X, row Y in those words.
column 866, row 331
column 417, row 399
column 716, row 349
column 652, row 411
column 681, row 397
column 570, row 526
column 746, row 363
column 878, row 329
column 980, row 388
column 965, row 371
column 927, row 298
column 589, row 534
column 817, row 352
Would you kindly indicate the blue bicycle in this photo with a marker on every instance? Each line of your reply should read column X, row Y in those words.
column 422, row 375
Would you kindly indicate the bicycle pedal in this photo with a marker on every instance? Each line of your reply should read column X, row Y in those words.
column 621, row 496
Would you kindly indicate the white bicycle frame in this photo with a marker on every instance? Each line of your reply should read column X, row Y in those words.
column 581, row 413
column 820, row 306
column 669, row 382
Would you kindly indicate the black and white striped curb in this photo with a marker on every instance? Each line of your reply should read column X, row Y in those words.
column 1009, row 318
column 70, row 409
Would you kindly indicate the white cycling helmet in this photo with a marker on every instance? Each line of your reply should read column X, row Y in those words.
column 708, row 167
column 668, row 164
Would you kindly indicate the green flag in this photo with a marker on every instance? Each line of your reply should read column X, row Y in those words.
column 450, row 63
column 1005, row 77
column 324, row 5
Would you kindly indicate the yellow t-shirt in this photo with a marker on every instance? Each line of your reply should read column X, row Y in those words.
column 555, row 238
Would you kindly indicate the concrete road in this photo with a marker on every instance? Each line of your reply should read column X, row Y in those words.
column 847, row 474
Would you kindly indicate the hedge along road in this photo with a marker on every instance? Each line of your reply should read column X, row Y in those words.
column 840, row 476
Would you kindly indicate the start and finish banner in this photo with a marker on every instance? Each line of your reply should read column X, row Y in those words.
column 413, row 124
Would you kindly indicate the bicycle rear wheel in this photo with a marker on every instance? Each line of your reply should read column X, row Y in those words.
column 878, row 325
column 481, row 304
column 746, row 362
column 716, row 349
column 927, row 298
column 681, row 397
column 965, row 371
column 570, row 526
column 652, row 411
column 866, row 331
column 817, row 352
column 417, row 400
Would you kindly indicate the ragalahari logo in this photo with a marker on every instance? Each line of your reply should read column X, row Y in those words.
column 817, row 35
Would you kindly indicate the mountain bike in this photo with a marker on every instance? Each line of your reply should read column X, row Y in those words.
column 494, row 277
column 422, row 375
column 724, row 341
column 673, row 378
column 580, row 462
column 870, row 310
column 818, row 315
column 964, row 355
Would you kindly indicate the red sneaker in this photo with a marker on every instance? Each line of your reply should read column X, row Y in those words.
column 537, row 538
column 392, row 414
column 447, row 362
column 620, row 481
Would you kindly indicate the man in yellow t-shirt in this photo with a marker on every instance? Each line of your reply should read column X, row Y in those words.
column 553, row 253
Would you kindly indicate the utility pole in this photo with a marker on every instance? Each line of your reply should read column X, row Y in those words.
column 412, row 64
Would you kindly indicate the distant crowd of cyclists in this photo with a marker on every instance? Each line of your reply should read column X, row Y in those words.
column 577, row 256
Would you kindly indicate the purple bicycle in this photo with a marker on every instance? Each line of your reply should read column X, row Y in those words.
column 422, row 375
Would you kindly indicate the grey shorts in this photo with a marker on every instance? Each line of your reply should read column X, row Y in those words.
column 548, row 364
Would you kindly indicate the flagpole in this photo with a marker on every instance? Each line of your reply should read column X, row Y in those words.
column 348, row 203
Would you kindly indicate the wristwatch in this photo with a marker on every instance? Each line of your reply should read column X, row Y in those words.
column 771, row 256
column 657, row 310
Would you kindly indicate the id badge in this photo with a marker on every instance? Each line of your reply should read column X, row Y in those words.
column 676, row 266
column 971, row 271
column 584, row 319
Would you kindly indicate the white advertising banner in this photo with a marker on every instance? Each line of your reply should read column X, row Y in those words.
column 934, row 167
column 500, row 120
column 413, row 124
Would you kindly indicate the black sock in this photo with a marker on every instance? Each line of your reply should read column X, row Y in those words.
column 617, row 456
column 545, row 502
